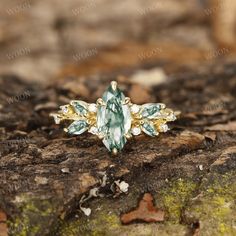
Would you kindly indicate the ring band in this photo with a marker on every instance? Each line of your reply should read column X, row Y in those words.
column 114, row 118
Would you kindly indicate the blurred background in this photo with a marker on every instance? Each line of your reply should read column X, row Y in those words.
column 50, row 39
column 179, row 52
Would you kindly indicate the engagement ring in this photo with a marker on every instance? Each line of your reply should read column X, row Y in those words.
column 114, row 118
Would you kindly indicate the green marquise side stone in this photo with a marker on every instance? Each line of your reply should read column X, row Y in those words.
column 80, row 107
column 150, row 110
column 149, row 128
column 113, row 119
column 78, row 127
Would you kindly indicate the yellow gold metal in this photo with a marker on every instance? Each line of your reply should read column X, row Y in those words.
column 139, row 122
column 163, row 106
column 114, row 85
column 100, row 102
column 100, row 136
column 91, row 118
column 127, row 100
column 128, row 136
column 114, row 151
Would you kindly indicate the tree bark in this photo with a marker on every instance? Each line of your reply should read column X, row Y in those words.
column 44, row 172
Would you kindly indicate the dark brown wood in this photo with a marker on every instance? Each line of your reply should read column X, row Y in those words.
column 39, row 194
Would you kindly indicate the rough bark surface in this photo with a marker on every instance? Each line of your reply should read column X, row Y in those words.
column 190, row 170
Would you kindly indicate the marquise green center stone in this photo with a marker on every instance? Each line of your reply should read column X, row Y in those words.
column 113, row 119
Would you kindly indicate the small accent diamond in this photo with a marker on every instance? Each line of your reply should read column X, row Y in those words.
column 64, row 109
column 164, row 128
column 136, row 131
column 93, row 130
column 135, row 108
column 114, row 119
column 171, row 117
column 92, row 107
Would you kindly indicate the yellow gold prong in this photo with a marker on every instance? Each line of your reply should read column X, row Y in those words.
column 128, row 136
column 114, row 151
column 127, row 100
column 57, row 117
column 100, row 102
column 114, row 85
column 114, row 119
column 177, row 113
column 162, row 105
column 100, row 136
column 141, row 122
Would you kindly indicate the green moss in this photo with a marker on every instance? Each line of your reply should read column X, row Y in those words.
column 34, row 219
column 104, row 224
column 215, row 208
column 72, row 228
column 184, row 201
column 223, row 228
column 175, row 196
column 100, row 224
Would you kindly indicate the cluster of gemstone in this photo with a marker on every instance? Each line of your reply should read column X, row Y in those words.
column 114, row 119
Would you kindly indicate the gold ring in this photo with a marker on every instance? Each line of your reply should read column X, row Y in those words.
column 114, row 118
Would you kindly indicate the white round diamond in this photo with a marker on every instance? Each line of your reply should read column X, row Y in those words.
column 64, row 109
column 135, row 108
column 171, row 117
column 93, row 130
column 136, row 131
column 164, row 128
column 92, row 107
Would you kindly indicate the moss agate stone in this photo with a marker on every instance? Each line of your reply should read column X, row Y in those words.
column 113, row 119
column 78, row 127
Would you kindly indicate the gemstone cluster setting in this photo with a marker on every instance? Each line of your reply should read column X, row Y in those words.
column 114, row 118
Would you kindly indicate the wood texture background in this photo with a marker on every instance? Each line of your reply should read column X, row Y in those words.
column 52, row 53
